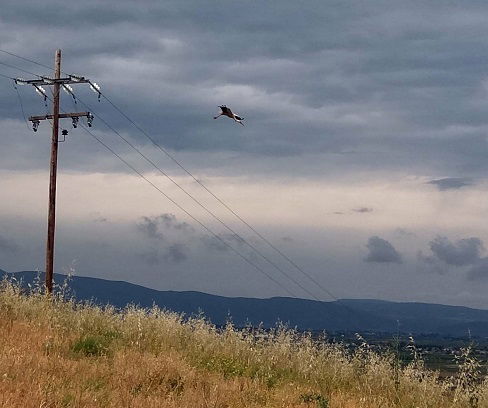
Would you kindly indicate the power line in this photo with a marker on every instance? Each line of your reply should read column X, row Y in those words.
column 162, row 149
column 26, row 59
column 188, row 213
column 18, row 69
column 200, row 204
column 216, row 235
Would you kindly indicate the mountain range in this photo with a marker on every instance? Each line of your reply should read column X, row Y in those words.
column 345, row 315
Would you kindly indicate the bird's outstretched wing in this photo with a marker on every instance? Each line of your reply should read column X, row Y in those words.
column 238, row 117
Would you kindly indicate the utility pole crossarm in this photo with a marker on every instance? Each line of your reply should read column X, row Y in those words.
column 61, row 116
column 52, row 81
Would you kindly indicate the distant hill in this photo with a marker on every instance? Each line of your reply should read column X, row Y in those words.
column 343, row 315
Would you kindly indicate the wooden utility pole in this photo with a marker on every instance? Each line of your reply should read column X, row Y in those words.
column 57, row 82
column 51, row 218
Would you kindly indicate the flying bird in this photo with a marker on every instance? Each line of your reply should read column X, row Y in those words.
column 227, row 112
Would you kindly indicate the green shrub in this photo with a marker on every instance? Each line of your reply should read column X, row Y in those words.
column 91, row 346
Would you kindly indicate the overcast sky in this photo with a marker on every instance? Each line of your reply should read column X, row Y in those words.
column 363, row 155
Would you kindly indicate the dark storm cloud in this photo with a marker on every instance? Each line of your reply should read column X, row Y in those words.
column 153, row 227
column 381, row 251
column 327, row 78
column 149, row 226
column 460, row 253
column 166, row 230
column 451, row 183
column 161, row 229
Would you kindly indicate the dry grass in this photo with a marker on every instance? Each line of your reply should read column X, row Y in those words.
column 56, row 353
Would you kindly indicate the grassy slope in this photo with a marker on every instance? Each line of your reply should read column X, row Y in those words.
column 59, row 354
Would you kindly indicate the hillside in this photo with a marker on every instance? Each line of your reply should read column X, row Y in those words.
column 55, row 353
column 342, row 315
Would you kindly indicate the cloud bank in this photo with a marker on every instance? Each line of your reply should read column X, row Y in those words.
column 381, row 251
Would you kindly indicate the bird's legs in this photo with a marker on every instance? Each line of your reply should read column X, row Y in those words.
column 215, row 117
